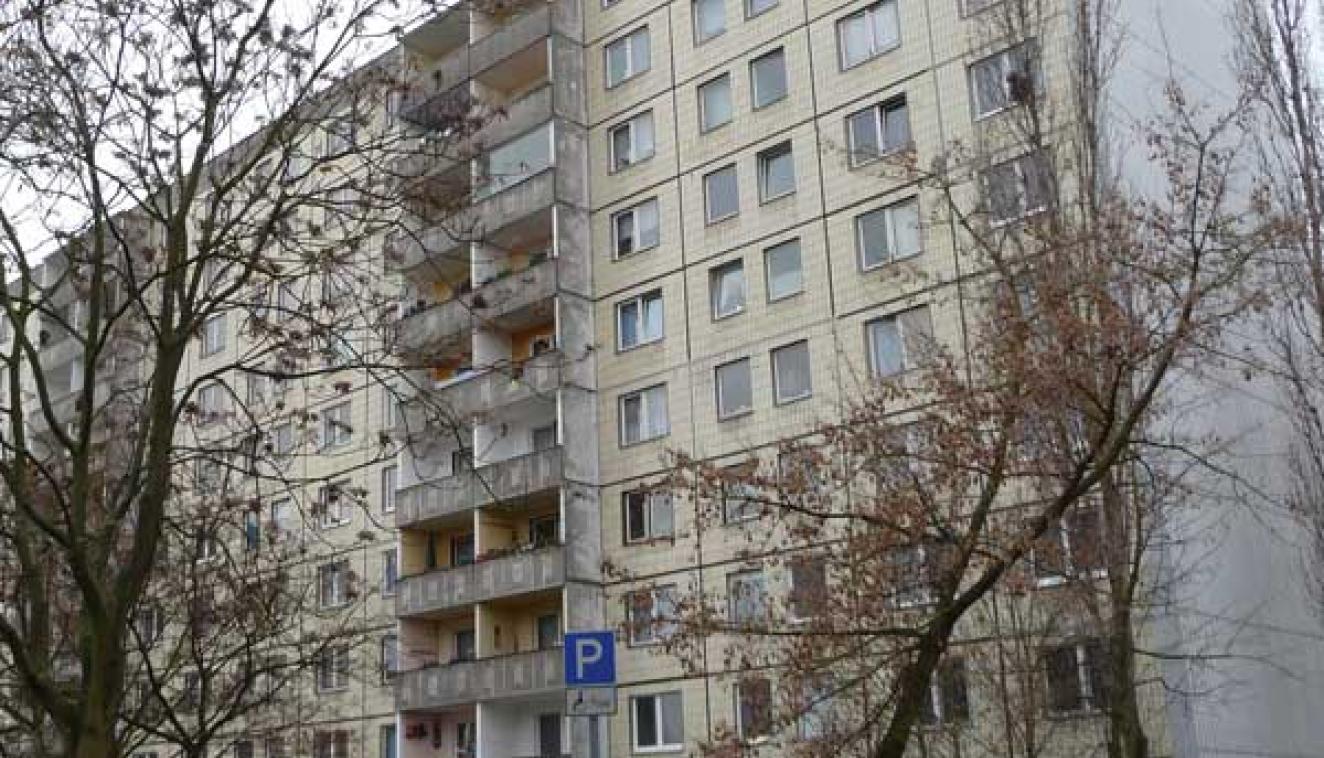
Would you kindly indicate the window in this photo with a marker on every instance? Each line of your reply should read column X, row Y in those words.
column 639, row 320
column 898, row 343
column 257, row 386
column 211, row 402
column 333, row 580
column 544, row 531
column 739, row 500
column 336, row 429
column 337, row 288
column 715, row 107
column 390, row 408
column 1077, row 677
column 721, row 194
column 208, row 547
column 709, row 19
column 466, row 739
column 1017, row 188
column 389, row 657
column 735, row 391
column 877, row 131
column 191, row 694
column 333, row 504
column 632, row 141
column 753, row 697
column 275, row 747
column 868, row 33
column 213, row 335
column 912, row 574
column 971, row 7
column 549, row 631
column 252, row 531
column 1070, row 547
column 1004, row 79
column 337, row 351
column 647, row 515
column 282, row 439
column 888, row 234
column 628, row 57
column 386, row 742
column 390, row 572
column 948, row 701
column 727, row 288
column 281, row 523
column 768, row 75
column 462, row 550
column 465, row 645
column 816, row 709
column 650, row 615
column 635, row 229
column 644, row 415
column 657, row 722
column 389, row 478
column 782, row 270
column 746, row 597
column 791, row 376
column 331, row 744
column 758, row 7
column 243, row 749
column 809, row 590
column 776, row 172
column 544, row 438
column 333, row 670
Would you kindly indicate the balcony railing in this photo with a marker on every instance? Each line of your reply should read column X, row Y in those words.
column 517, row 573
column 497, row 482
column 505, row 386
column 433, row 329
column 507, row 676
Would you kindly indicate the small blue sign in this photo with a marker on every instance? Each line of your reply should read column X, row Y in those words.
column 590, row 659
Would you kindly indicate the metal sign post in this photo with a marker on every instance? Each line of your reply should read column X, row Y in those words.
column 590, row 677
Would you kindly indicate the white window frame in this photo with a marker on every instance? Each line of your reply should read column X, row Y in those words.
column 628, row 41
column 889, row 215
column 334, row 660
column 658, row 627
column 751, row 11
column 723, row 78
column 699, row 36
column 738, row 691
column 792, row 612
column 768, row 253
column 337, row 431
column 908, row 362
column 635, row 213
column 390, row 572
column 877, row 47
column 724, row 413
column 659, row 717
column 1089, row 698
column 390, row 479
column 879, row 115
column 937, row 703
column 708, row 194
column 213, row 335
column 777, row 397
column 645, row 396
column 749, row 577
column 1065, row 533
column 715, row 275
column 338, row 596
column 756, row 99
column 764, row 159
column 1005, row 61
column 640, row 303
column 651, row 502
column 211, row 403
column 1021, row 166
column 632, row 127
column 333, row 512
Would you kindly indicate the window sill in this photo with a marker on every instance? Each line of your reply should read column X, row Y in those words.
column 735, row 415
column 774, row 198
column 619, row 256
column 890, row 262
column 787, row 296
column 639, row 345
column 870, row 58
column 715, row 127
column 634, row 443
column 715, row 221
column 780, row 402
column 909, row 147
column 655, row 750
column 626, row 80
column 624, row 167
column 769, row 104
column 730, row 314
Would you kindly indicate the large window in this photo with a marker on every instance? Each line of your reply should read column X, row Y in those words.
column 782, row 271
column 333, row 502
column 776, row 172
column 632, row 141
column 635, row 229
column 735, row 392
column 213, row 335
column 657, row 722
column 386, row 742
column 1070, row 547
column 648, row 515
column 389, row 477
column 888, row 234
column 643, row 415
column 389, row 657
column 746, row 594
column 727, row 289
column 809, row 588
column 715, row 107
column 628, row 57
column 1004, row 79
column 650, row 615
column 333, row 584
column 899, row 342
column 868, row 33
column 1077, row 676
column 639, row 320
column 513, row 162
column 721, row 194
column 949, row 700
column 709, row 19
column 336, row 427
column 767, row 73
column 753, row 696
column 1017, row 188
column 877, row 131
column 211, row 402
column 792, row 378
column 390, row 572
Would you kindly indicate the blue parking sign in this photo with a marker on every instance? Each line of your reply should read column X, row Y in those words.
column 590, row 659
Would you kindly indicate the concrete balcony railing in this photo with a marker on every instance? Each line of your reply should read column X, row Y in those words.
column 516, row 118
column 441, row 240
column 498, row 388
column 502, row 481
column 504, row 677
column 511, row 38
column 434, row 328
column 429, row 99
column 518, row 573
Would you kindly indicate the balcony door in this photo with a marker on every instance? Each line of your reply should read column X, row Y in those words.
column 549, row 734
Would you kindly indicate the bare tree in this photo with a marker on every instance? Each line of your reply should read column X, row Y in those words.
column 979, row 465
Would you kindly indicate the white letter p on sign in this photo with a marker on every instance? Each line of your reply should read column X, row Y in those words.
column 587, row 652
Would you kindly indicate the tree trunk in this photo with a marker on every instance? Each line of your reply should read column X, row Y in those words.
column 912, row 689
column 1126, row 731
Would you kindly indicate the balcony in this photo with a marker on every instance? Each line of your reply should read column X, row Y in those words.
column 510, row 39
column 499, row 482
column 443, row 326
column 508, row 676
column 429, row 99
column 535, row 378
column 510, row 575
